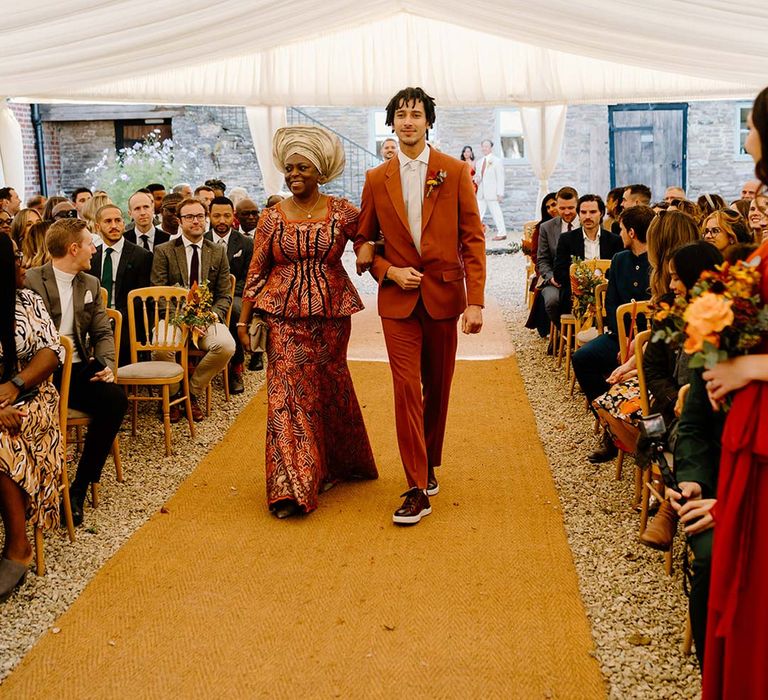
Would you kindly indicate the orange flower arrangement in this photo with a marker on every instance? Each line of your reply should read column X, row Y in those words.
column 724, row 316
column 196, row 315
column 435, row 179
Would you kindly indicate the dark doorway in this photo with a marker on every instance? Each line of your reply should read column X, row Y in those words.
column 131, row 131
column 648, row 145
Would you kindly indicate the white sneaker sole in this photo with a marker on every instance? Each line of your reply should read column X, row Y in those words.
column 434, row 491
column 410, row 519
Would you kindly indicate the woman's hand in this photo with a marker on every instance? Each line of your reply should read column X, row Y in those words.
column 8, row 394
column 365, row 254
column 244, row 338
column 696, row 515
column 623, row 372
column 681, row 396
column 10, row 420
column 730, row 375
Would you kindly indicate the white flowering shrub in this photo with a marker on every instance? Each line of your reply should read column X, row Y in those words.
column 123, row 172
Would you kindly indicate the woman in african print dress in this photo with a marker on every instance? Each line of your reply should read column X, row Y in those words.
column 31, row 454
column 315, row 431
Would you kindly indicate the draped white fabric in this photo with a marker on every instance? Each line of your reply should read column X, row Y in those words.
column 11, row 151
column 343, row 52
column 263, row 122
column 543, row 129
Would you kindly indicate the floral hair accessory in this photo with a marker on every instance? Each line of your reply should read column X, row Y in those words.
column 435, row 179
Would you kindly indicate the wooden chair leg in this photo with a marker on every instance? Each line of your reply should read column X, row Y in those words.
column 619, row 464
column 39, row 552
column 645, row 496
column 560, row 348
column 67, row 503
column 95, row 495
column 167, row 418
column 668, row 560
column 135, row 411
column 188, row 407
column 638, row 487
column 568, row 348
column 573, row 383
column 208, row 393
column 118, row 461
column 225, row 379
column 687, row 636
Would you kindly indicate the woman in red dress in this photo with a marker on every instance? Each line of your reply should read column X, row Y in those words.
column 468, row 156
column 736, row 653
column 315, row 431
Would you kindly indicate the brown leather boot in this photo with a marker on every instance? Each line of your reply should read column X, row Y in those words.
column 661, row 530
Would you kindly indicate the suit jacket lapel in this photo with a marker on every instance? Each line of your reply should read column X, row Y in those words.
column 395, row 191
column 429, row 202
column 181, row 260
column 125, row 260
column 52, row 290
column 578, row 245
column 205, row 260
column 78, row 298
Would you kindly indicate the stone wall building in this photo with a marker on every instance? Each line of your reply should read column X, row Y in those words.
column 704, row 149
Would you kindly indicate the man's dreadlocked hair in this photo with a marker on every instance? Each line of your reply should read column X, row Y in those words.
column 407, row 96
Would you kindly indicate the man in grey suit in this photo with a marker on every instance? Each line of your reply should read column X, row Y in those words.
column 181, row 262
column 73, row 300
column 549, row 234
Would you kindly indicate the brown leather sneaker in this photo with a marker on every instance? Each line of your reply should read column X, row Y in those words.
column 433, row 488
column 197, row 412
column 661, row 530
column 414, row 508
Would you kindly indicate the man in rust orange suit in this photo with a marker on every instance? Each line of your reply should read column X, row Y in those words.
column 431, row 271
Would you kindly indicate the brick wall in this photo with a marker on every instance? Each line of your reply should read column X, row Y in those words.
column 23, row 115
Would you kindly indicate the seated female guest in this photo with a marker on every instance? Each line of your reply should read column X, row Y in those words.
column 31, row 455
column 725, row 227
column 33, row 246
column 315, row 431
column 538, row 317
column 22, row 222
column 758, row 218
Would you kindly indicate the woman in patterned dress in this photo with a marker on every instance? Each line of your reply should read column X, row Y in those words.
column 31, row 455
column 315, row 431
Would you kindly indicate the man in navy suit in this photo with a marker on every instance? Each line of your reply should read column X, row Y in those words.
column 588, row 242
column 141, row 208
column 122, row 267
column 239, row 252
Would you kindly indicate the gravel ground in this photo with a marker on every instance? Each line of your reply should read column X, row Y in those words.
column 637, row 612
column 150, row 479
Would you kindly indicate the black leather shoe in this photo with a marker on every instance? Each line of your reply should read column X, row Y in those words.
column 76, row 502
column 605, row 453
column 236, row 385
column 414, row 508
column 256, row 363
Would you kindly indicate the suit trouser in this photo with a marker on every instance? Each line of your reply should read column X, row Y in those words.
column 593, row 364
column 239, row 357
column 496, row 213
column 701, row 545
column 551, row 297
column 422, row 357
column 106, row 404
column 219, row 347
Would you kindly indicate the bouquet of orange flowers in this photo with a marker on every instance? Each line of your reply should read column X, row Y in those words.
column 584, row 281
column 196, row 314
column 723, row 316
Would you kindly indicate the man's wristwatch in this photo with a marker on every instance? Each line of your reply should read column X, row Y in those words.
column 18, row 382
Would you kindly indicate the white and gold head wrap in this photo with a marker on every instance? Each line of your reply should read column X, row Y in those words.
column 319, row 146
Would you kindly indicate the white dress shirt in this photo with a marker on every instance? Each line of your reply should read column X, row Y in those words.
column 150, row 237
column 413, row 175
column 564, row 225
column 67, row 325
column 592, row 248
column 221, row 240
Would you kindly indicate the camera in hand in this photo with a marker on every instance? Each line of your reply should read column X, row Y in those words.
column 650, row 449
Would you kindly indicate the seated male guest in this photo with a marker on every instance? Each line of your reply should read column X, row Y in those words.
column 239, row 252
column 186, row 260
column 588, row 242
column 141, row 208
column 549, row 234
column 248, row 215
column 169, row 217
column 121, row 266
column 73, row 299
column 629, row 279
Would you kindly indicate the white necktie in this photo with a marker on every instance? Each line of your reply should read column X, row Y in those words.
column 413, row 201
column 222, row 241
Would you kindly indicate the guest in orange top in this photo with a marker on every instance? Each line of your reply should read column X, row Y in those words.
column 315, row 431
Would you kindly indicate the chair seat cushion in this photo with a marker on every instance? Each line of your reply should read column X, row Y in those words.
column 153, row 369
column 74, row 414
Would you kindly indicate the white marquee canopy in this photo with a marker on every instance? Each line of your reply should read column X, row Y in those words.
column 341, row 52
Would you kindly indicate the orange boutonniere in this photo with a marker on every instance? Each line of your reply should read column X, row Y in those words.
column 435, row 179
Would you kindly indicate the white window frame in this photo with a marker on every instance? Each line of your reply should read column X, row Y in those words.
column 738, row 155
column 498, row 136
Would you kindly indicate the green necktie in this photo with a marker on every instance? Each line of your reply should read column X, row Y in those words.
column 106, row 275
